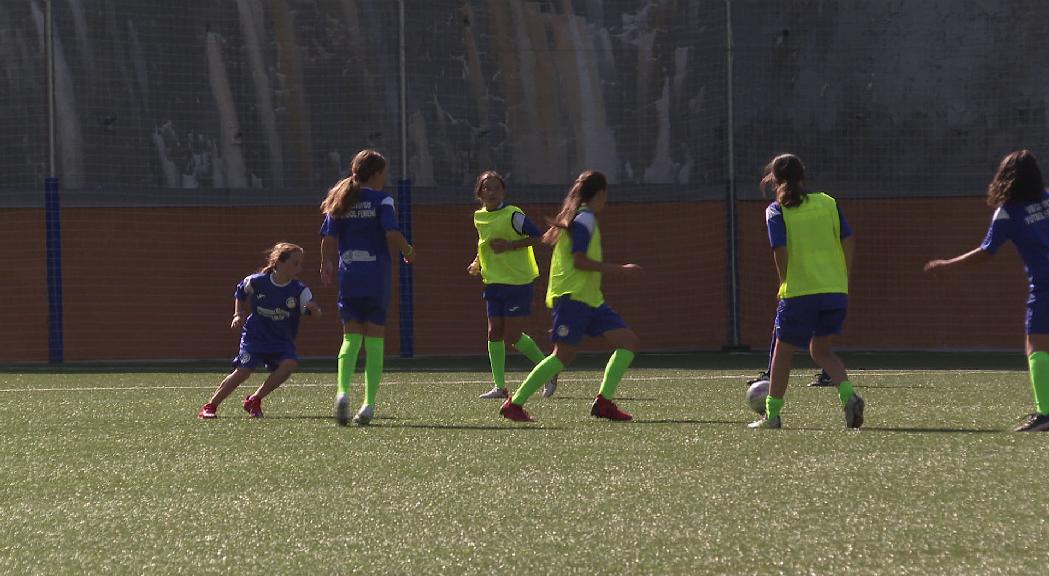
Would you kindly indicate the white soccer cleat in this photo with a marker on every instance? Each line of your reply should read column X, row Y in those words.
column 766, row 424
column 550, row 387
column 497, row 393
column 342, row 410
column 364, row 415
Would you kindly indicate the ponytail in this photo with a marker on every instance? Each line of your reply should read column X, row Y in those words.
column 585, row 187
column 343, row 196
column 784, row 175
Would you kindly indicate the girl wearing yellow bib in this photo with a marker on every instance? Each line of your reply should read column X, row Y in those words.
column 812, row 246
column 506, row 264
column 579, row 308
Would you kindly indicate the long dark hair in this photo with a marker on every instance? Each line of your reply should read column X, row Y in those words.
column 343, row 195
column 783, row 175
column 1018, row 180
column 585, row 187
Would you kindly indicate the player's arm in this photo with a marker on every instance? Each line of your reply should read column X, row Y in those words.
column 241, row 310
column 522, row 225
column 779, row 255
column 580, row 235
column 997, row 235
column 309, row 305
column 474, row 269
column 974, row 256
column 398, row 241
column 329, row 259
column 241, row 304
column 848, row 247
column 388, row 221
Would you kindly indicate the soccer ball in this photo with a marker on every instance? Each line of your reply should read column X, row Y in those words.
column 756, row 395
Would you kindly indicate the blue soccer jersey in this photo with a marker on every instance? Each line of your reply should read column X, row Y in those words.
column 275, row 311
column 364, row 257
column 1027, row 225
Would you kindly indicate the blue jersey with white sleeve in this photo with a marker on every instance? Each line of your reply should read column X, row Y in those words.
column 1027, row 225
column 275, row 312
column 364, row 257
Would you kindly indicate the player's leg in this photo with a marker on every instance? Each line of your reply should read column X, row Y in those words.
column 518, row 309
column 352, row 338
column 280, row 375
column 374, row 349
column 496, row 351
column 625, row 344
column 239, row 375
column 1037, row 348
column 569, row 321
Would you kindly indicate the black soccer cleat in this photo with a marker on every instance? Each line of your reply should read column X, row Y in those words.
column 1033, row 422
column 821, row 379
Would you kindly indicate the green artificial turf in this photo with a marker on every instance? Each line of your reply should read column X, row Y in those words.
column 111, row 472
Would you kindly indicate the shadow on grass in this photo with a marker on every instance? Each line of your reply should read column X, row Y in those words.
column 507, row 427
column 691, row 421
column 914, row 430
column 591, row 398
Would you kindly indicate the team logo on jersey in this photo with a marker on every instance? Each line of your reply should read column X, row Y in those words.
column 563, row 330
column 244, row 357
column 290, row 302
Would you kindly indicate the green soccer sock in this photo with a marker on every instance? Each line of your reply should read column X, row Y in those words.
column 525, row 345
column 1039, row 364
column 351, row 346
column 773, row 406
column 614, row 370
column 373, row 349
column 497, row 356
column 845, row 391
column 542, row 372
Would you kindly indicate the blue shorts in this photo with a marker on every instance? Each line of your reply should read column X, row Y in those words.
column 271, row 360
column 508, row 299
column 362, row 310
column 574, row 319
column 799, row 319
column 1037, row 321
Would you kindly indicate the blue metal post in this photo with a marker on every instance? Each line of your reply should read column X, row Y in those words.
column 404, row 216
column 52, row 217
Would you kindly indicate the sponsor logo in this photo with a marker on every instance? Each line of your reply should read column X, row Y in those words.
column 513, row 309
column 290, row 302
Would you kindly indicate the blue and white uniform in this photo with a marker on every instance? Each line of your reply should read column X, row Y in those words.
column 268, row 335
column 1027, row 225
column 364, row 257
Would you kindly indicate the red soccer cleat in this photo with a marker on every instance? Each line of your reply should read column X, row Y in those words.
column 604, row 408
column 208, row 412
column 253, row 406
column 512, row 411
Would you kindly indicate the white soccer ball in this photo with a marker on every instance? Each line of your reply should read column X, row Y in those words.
column 756, row 395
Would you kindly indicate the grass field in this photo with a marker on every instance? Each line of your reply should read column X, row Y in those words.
column 110, row 472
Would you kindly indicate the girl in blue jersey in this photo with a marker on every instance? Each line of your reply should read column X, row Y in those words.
column 359, row 225
column 267, row 308
column 579, row 307
column 1021, row 214
column 812, row 247
column 506, row 264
